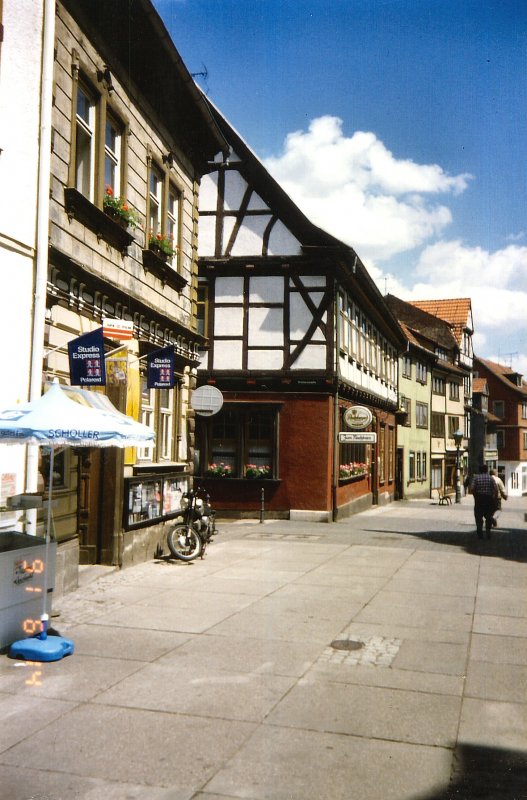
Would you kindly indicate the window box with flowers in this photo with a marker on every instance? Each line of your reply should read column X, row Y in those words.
column 218, row 471
column 353, row 471
column 156, row 260
column 254, row 472
column 118, row 209
column 79, row 207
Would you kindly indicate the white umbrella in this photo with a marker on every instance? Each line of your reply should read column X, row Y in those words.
column 55, row 420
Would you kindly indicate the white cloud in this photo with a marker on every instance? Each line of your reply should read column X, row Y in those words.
column 355, row 188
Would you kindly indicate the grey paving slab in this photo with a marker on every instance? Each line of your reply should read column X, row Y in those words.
column 391, row 678
column 425, row 634
column 290, row 627
column 75, row 677
column 264, row 656
column 443, row 582
column 259, row 573
column 506, row 626
column 383, row 612
column 372, row 712
column 193, row 619
column 278, row 764
column 247, row 696
column 238, row 586
column 132, row 746
column 435, row 657
column 499, row 649
column 26, row 783
column 494, row 724
column 124, row 643
column 507, row 682
column 432, row 602
column 502, row 601
column 182, row 600
column 24, row 714
column 359, row 577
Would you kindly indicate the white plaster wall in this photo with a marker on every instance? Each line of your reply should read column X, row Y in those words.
column 300, row 319
column 228, row 355
column 265, row 359
column 256, row 203
column 19, row 114
column 208, row 192
column 266, row 289
column 312, row 281
column 312, row 357
column 282, row 242
column 235, row 188
column 228, row 322
column 266, row 327
column 207, row 236
column 249, row 240
column 228, row 290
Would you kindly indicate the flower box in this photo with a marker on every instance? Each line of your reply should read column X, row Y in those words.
column 80, row 208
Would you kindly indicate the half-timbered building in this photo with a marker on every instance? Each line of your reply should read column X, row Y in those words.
column 298, row 335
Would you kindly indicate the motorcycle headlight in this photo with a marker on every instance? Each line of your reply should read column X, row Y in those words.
column 184, row 502
column 199, row 505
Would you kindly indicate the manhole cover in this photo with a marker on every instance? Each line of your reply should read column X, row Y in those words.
column 346, row 644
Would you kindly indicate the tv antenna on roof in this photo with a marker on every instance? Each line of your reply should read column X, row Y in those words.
column 507, row 357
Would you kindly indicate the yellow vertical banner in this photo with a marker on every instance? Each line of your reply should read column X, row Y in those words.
column 133, row 404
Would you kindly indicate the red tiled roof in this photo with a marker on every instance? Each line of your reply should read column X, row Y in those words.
column 502, row 372
column 479, row 384
column 455, row 311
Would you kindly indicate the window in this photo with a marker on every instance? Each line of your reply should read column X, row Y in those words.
column 407, row 367
column 438, row 385
column 453, row 426
column 498, row 407
column 420, row 372
column 85, row 143
column 158, row 411
column 391, row 460
column 524, row 410
column 202, row 305
column 525, row 440
column 112, row 156
column 155, row 197
column 438, row 425
column 421, row 415
column 500, row 439
column 237, row 438
column 406, row 403
column 514, row 480
column 411, row 466
column 454, row 391
column 382, row 452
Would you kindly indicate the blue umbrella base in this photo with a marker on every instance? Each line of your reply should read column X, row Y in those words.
column 36, row 648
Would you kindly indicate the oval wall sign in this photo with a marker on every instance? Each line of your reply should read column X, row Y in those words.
column 358, row 417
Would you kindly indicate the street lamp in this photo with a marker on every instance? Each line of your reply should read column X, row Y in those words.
column 458, row 438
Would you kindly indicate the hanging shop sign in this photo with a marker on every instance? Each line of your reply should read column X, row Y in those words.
column 86, row 357
column 120, row 329
column 160, row 366
column 206, row 400
column 358, row 417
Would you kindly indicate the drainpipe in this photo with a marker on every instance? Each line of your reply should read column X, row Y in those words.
column 41, row 271
column 334, row 478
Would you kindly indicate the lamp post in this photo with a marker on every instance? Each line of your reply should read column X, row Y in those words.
column 458, row 437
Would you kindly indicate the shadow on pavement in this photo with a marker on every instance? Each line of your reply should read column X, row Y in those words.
column 509, row 544
column 485, row 773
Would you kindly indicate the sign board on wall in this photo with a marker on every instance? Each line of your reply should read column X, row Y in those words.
column 358, row 417
column 347, row 437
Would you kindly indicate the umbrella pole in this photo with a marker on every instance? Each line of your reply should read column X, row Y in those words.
column 45, row 615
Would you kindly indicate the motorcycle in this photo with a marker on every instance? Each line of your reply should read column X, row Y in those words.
column 189, row 539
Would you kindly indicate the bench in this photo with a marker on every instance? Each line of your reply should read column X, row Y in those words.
column 444, row 497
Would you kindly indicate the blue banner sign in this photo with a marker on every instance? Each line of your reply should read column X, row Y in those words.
column 160, row 368
column 86, row 355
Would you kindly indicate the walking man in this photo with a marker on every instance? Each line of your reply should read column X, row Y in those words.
column 485, row 493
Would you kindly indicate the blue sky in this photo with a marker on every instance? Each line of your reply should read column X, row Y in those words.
column 398, row 125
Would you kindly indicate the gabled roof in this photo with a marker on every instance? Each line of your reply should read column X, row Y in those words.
column 504, row 374
column 480, row 386
column 456, row 311
column 434, row 329
column 313, row 240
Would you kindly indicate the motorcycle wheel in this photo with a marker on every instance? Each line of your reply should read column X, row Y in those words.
column 184, row 542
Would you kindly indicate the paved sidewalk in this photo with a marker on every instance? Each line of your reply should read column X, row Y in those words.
column 383, row 657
